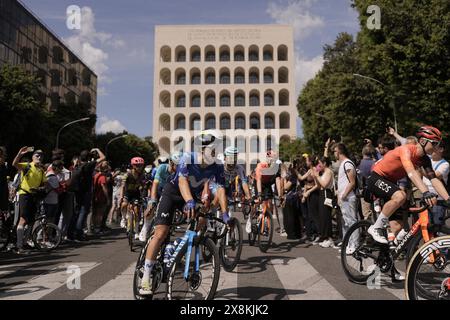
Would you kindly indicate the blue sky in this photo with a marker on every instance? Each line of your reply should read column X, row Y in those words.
column 116, row 40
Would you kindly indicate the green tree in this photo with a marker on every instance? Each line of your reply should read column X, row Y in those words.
column 410, row 54
column 292, row 150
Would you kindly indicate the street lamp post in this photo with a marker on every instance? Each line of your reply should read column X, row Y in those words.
column 111, row 141
column 65, row 126
column 391, row 103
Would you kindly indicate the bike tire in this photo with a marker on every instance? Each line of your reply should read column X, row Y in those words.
column 50, row 228
column 138, row 274
column 415, row 243
column 412, row 288
column 264, row 245
column 177, row 271
column 362, row 278
column 230, row 264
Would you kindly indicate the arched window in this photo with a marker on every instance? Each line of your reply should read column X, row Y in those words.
column 180, row 123
column 56, row 77
column 55, row 100
column 282, row 53
column 225, row 100
column 254, row 75
column 239, row 122
column 283, row 98
column 239, row 99
column 210, row 54
column 283, row 75
column 164, row 99
column 165, row 76
column 181, row 76
column 210, row 76
column 284, row 120
column 42, row 76
column 268, row 75
column 254, row 99
column 239, row 53
column 86, row 76
column 253, row 53
column 210, row 99
column 70, row 98
column 166, row 54
column 224, row 53
column 195, row 100
column 180, row 53
column 58, row 55
column 225, row 123
column 269, row 122
column 196, row 123
column 181, row 100
column 254, row 122
column 72, row 77
column 195, row 54
column 254, row 144
column 86, row 98
column 240, row 144
column 43, row 54
column 239, row 76
column 210, row 122
column 268, row 53
column 268, row 99
column 224, row 76
column 179, row 145
column 195, row 76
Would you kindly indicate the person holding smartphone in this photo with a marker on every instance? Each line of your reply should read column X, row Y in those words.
column 32, row 178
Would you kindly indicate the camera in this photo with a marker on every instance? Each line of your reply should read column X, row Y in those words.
column 94, row 154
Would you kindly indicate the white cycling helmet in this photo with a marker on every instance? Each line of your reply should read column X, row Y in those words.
column 176, row 157
column 231, row 151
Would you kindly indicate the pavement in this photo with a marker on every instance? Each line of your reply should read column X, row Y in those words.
column 288, row 271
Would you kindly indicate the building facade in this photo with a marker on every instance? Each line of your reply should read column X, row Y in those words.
column 26, row 41
column 238, row 79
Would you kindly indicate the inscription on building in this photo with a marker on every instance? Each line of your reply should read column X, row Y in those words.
column 223, row 34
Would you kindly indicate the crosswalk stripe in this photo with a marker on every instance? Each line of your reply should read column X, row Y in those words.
column 42, row 285
column 302, row 282
column 119, row 288
column 228, row 285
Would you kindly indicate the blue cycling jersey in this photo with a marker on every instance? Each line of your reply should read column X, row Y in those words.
column 197, row 175
column 162, row 174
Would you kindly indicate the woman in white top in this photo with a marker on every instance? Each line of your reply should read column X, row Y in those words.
column 324, row 178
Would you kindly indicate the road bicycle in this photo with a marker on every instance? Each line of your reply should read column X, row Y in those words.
column 370, row 256
column 261, row 226
column 135, row 221
column 187, row 273
column 428, row 273
column 42, row 235
column 228, row 239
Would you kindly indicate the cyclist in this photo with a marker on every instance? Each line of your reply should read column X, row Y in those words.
column 162, row 176
column 133, row 184
column 233, row 174
column 188, row 185
column 401, row 162
column 266, row 175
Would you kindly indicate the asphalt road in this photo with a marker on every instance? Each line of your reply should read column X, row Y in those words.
column 289, row 270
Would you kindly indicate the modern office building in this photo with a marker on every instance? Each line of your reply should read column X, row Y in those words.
column 238, row 79
column 28, row 42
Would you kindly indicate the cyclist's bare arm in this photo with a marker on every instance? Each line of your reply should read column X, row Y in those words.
column 246, row 191
column 184, row 189
column 351, row 185
column 436, row 183
column 154, row 189
column 411, row 171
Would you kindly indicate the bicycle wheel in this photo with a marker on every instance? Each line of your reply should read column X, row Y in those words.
column 359, row 259
column 130, row 227
column 426, row 280
column 265, row 232
column 198, row 286
column 415, row 243
column 157, row 274
column 46, row 236
column 231, row 246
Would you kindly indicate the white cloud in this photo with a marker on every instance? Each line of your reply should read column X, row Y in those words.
column 306, row 69
column 89, row 44
column 110, row 125
column 298, row 15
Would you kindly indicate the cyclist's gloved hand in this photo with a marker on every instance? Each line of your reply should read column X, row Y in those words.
column 189, row 208
column 429, row 198
column 225, row 217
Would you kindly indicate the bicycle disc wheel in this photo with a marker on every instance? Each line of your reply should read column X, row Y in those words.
column 265, row 232
column 360, row 262
column 426, row 280
column 231, row 246
column 198, row 286
column 46, row 237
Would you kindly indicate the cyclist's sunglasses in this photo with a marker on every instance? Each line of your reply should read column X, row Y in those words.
column 434, row 143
